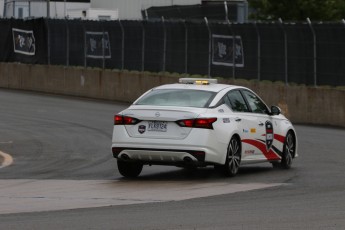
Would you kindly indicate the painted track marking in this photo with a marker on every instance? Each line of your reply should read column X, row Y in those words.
column 20, row 195
column 8, row 160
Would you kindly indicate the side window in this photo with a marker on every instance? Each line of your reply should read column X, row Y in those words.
column 255, row 104
column 236, row 101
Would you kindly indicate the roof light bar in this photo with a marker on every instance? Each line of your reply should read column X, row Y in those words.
column 198, row 81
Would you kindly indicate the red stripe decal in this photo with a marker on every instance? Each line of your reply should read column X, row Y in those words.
column 270, row 155
column 279, row 138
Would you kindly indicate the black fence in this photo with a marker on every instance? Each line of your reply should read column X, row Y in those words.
column 302, row 53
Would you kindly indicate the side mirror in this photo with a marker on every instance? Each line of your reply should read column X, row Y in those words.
column 275, row 110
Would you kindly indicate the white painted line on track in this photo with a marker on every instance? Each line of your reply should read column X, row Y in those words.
column 17, row 196
column 7, row 160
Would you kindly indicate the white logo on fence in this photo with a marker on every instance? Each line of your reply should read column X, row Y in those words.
column 98, row 45
column 221, row 50
column 24, row 41
column 227, row 50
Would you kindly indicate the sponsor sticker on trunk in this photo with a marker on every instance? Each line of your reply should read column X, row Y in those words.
column 141, row 129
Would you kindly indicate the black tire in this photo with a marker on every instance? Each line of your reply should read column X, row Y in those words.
column 288, row 151
column 129, row 169
column 233, row 158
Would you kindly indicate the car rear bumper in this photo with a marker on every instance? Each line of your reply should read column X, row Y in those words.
column 159, row 155
column 201, row 146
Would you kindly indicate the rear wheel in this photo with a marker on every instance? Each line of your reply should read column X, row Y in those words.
column 233, row 158
column 129, row 169
column 289, row 151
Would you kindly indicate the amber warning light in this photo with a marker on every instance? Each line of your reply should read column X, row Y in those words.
column 197, row 81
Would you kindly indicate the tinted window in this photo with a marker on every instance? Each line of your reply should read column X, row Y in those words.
column 177, row 97
column 255, row 104
column 236, row 101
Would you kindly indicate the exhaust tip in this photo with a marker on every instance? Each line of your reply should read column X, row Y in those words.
column 187, row 159
column 125, row 157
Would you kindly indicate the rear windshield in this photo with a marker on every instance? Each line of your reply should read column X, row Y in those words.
column 177, row 97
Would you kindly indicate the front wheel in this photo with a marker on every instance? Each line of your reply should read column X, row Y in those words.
column 129, row 169
column 289, row 151
column 233, row 158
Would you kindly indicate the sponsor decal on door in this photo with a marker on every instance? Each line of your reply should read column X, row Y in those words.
column 269, row 135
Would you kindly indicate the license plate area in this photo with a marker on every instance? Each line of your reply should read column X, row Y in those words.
column 157, row 126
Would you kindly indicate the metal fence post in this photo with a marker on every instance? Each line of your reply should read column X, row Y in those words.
column 233, row 50
column 143, row 47
column 48, row 8
column 164, row 45
column 122, row 45
column 259, row 50
column 186, row 47
column 5, row 11
column 85, row 47
column 226, row 11
column 315, row 54
column 48, row 41
column 209, row 47
column 103, row 47
column 285, row 51
column 67, row 42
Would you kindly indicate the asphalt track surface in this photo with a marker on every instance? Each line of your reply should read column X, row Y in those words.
column 64, row 177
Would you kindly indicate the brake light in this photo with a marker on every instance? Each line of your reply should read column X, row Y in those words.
column 186, row 123
column 204, row 123
column 125, row 120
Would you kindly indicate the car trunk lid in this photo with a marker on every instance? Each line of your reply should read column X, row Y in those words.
column 159, row 122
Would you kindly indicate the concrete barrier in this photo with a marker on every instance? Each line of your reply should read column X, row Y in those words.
column 307, row 105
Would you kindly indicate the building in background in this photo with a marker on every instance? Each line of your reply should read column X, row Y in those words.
column 233, row 10
column 131, row 9
column 1, row 8
column 42, row 8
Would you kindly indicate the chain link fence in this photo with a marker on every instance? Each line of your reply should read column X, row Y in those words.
column 302, row 52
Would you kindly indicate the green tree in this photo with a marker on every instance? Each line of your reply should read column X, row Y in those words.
column 296, row 10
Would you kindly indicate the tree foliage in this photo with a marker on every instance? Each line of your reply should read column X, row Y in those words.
column 296, row 10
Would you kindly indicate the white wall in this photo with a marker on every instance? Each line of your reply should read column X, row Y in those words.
column 131, row 9
column 1, row 8
column 57, row 9
column 39, row 9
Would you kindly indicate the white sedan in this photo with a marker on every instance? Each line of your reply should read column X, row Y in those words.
column 198, row 122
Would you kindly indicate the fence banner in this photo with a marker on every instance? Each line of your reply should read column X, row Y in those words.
column 98, row 45
column 24, row 41
column 225, row 49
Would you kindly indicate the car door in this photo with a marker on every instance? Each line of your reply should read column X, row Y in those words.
column 246, row 124
column 262, row 129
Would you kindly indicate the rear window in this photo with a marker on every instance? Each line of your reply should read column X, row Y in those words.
column 177, row 97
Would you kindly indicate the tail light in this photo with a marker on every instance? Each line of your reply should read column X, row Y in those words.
column 204, row 123
column 125, row 120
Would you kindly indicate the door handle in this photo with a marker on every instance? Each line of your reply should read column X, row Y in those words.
column 238, row 119
column 261, row 124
